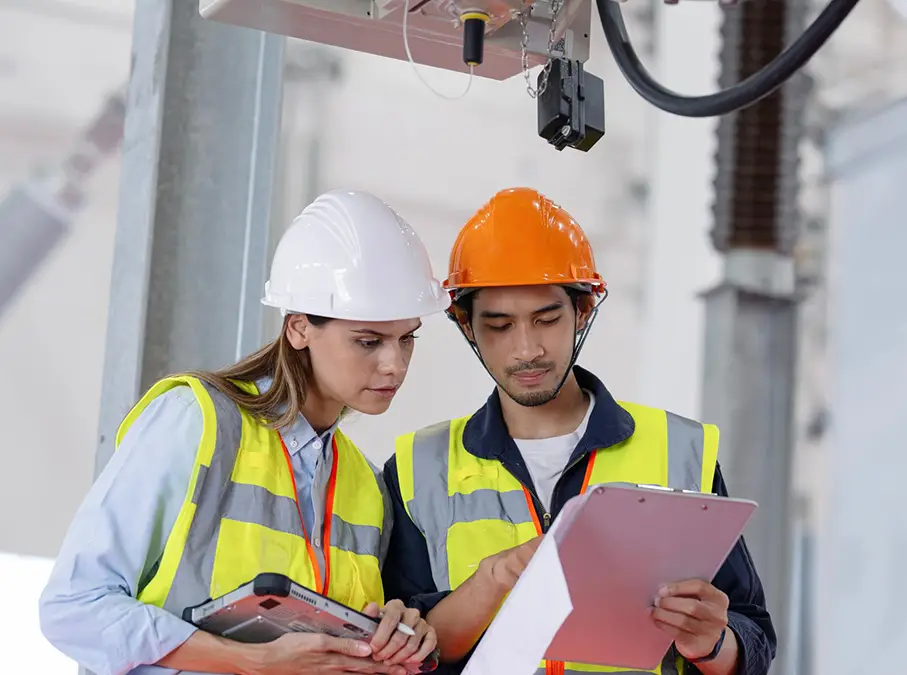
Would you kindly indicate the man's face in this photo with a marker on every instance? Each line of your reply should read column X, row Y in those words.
column 525, row 335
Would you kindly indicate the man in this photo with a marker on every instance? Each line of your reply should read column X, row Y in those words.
column 472, row 495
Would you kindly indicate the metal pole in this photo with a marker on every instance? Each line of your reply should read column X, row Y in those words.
column 752, row 335
column 748, row 390
column 201, row 137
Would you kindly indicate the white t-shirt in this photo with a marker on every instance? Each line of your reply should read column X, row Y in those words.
column 546, row 458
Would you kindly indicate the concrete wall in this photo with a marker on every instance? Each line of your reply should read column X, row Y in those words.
column 864, row 527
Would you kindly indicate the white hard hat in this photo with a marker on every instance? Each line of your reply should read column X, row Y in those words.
column 348, row 255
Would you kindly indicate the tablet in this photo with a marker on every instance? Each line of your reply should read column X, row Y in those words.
column 618, row 544
column 272, row 605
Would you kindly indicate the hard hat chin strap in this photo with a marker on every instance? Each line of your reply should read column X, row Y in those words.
column 579, row 339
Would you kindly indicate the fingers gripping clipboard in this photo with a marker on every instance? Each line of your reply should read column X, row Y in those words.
column 587, row 594
column 618, row 545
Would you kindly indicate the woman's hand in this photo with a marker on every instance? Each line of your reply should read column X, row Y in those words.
column 309, row 654
column 290, row 654
column 391, row 646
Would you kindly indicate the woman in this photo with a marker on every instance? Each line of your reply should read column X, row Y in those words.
column 220, row 476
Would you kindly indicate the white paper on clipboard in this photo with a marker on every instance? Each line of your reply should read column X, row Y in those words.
column 527, row 622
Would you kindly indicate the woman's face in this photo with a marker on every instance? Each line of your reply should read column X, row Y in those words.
column 359, row 364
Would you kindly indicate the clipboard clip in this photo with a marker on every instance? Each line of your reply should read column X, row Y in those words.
column 668, row 489
column 656, row 487
column 646, row 486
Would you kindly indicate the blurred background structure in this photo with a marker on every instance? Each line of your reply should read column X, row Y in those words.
column 754, row 264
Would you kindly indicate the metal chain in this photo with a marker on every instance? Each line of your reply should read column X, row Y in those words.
column 556, row 6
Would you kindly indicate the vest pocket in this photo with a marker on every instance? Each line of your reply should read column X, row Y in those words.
column 264, row 470
column 355, row 579
column 245, row 550
column 470, row 543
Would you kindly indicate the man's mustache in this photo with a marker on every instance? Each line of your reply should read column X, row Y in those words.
column 534, row 365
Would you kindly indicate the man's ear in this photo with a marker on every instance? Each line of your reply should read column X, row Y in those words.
column 467, row 331
column 584, row 306
column 459, row 316
column 298, row 331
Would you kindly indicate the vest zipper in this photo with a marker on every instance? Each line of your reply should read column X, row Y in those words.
column 557, row 485
column 537, row 503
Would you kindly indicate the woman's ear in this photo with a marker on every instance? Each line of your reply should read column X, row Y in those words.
column 298, row 331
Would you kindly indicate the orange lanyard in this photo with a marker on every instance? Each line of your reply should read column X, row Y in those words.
column 557, row 667
column 328, row 517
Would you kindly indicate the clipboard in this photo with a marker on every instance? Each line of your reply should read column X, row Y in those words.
column 618, row 544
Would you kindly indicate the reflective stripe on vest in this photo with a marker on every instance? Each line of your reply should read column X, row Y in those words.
column 241, row 518
column 470, row 508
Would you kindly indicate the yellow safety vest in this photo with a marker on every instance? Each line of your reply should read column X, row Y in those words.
column 470, row 508
column 241, row 514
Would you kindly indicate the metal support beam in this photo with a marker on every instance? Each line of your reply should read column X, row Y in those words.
column 199, row 150
column 748, row 390
column 752, row 334
column 200, row 143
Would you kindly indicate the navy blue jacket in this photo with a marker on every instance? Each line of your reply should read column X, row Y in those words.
column 407, row 571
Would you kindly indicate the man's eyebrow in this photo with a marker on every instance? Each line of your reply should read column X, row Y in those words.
column 549, row 308
column 487, row 314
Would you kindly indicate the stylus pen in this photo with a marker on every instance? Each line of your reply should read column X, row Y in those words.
column 406, row 630
column 403, row 628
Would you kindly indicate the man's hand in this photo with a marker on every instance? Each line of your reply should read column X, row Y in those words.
column 694, row 613
column 309, row 654
column 392, row 647
column 462, row 617
column 505, row 568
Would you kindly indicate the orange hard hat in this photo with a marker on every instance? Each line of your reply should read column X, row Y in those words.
column 522, row 238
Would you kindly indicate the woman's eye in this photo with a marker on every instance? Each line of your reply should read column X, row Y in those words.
column 369, row 344
column 408, row 339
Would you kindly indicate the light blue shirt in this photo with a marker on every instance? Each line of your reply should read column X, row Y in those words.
column 88, row 609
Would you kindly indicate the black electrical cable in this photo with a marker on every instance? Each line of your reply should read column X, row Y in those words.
column 757, row 86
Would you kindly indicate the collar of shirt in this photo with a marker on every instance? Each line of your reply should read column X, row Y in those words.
column 300, row 434
column 486, row 435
